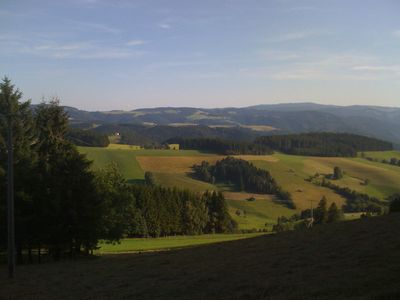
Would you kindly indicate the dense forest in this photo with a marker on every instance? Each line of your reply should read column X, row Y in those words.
column 87, row 138
column 62, row 206
column 221, row 146
column 244, row 175
column 162, row 211
column 323, row 144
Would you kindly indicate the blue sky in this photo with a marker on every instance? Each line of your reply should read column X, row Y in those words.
column 126, row 54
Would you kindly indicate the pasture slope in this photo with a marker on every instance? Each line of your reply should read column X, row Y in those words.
column 174, row 168
column 347, row 260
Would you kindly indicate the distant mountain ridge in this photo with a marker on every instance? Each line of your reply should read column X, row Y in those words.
column 374, row 121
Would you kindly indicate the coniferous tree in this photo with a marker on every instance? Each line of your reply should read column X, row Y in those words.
column 65, row 197
column 337, row 173
column 118, row 204
column 149, row 178
column 17, row 114
column 321, row 213
column 334, row 214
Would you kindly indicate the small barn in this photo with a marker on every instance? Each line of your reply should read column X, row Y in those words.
column 173, row 146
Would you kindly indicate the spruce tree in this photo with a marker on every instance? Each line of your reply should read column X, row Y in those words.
column 334, row 213
column 321, row 213
column 18, row 115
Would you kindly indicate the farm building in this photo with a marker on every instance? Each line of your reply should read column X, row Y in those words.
column 173, row 146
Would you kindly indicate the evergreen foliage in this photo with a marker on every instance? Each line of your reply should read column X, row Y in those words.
column 337, row 173
column 63, row 207
column 321, row 215
column 221, row 146
column 334, row 214
column 149, row 178
column 88, row 138
column 321, row 212
column 323, row 144
column 356, row 201
column 244, row 175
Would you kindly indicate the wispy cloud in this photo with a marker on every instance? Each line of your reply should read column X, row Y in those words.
column 75, row 50
column 165, row 26
column 298, row 35
column 396, row 33
column 329, row 67
column 91, row 26
column 275, row 55
column 136, row 43
column 378, row 68
column 175, row 64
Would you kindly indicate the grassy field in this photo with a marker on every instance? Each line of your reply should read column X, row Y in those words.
column 173, row 168
column 347, row 260
column 124, row 159
column 384, row 179
column 290, row 172
column 171, row 242
column 382, row 154
column 260, row 213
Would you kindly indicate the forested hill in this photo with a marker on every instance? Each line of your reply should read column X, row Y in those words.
column 379, row 122
column 323, row 144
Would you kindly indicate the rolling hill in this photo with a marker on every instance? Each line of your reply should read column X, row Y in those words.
column 374, row 121
column 174, row 169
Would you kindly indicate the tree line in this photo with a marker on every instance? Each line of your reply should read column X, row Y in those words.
column 305, row 219
column 323, row 144
column 355, row 201
column 392, row 161
column 87, row 138
column 62, row 206
column 244, row 175
column 221, row 146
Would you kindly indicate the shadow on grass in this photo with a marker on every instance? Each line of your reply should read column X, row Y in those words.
column 136, row 181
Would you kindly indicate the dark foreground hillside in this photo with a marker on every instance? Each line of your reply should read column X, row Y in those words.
column 349, row 260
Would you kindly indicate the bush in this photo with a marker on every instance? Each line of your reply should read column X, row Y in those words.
column 394, row 203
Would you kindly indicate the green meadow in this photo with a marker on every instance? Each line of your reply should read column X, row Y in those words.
column 170, row 242
column 173, row 168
